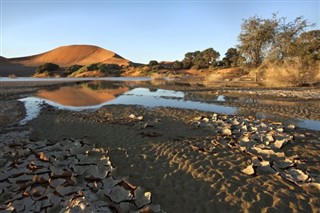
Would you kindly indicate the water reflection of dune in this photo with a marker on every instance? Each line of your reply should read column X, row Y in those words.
column 81, row 96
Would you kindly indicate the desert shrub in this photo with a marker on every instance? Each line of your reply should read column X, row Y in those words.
column 186, row 64
column 177, row 65
column 153, row 63
column 200, row 59
column 72, row 69
column 100, row 67
column 290, row 72
column 49, row 68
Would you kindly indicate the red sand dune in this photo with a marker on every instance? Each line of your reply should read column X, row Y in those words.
column 63, row 56
column 74, row 54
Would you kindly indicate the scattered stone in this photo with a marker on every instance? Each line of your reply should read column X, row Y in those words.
column 249, row 170
column 142, row 198
column 109, row 182
column 69, row 176
column 119, row 194
column 132, row 116
column 280, row 143
column 297, row 175
column 226, row 131
column 262, row 140
column 291, row 126
column 56, row 182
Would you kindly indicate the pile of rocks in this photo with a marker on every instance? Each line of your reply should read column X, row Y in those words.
column 263, row 141
column 69, row 176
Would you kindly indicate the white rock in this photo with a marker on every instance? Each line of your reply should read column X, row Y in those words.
column 253, row 128
column 245, row 139
column 244, row 127
column 268, row 138
column 226, row 131
column 140, row 118
column 280, row 129
column 297, row 175
column 205, row 119
column 235, row 122
column 280, row 143
column 197, row 118
column 249, row 170
column 132, row 116
column 291, row 126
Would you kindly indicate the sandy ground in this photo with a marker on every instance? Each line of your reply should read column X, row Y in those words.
column 193, row 161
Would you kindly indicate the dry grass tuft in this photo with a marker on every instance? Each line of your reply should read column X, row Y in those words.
column 288, row 73
column 224, row 75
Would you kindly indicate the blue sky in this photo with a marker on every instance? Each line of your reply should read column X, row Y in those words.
column 137, row 30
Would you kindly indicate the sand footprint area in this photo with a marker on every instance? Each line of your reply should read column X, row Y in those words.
column 193, row 161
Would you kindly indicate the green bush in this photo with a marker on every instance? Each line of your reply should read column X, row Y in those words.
column 72, row 69
column 47, row 68
column 100, row 67
column 177, row 65
column 153, row 63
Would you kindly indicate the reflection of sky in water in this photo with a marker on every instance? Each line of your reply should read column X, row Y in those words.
column 163, row 98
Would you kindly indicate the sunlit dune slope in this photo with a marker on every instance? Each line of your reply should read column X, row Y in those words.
column 74, row 54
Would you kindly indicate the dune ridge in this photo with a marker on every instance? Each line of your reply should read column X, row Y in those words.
column 69, row 55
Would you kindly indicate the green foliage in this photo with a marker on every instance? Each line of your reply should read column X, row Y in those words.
column 156, row 67
column 100, row 67
column 186, row 64
column 274, row 39
column 47, row 68
column 72, row 68
column 201, row 59
column 232, row 58
column 153, row 63
column 177, row 65
column 307, row 46
column 256, row 37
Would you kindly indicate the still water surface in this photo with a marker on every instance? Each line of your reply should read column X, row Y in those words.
column 95, row 94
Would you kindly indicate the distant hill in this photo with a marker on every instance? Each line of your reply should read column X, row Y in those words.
column 74, row 54
column 64, row 56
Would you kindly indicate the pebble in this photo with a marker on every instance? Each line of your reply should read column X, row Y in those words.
column 262, row 140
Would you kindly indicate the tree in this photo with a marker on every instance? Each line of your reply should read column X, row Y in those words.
column 210, row 57
column 201, row 59
column 287, row 34
column 186, row 64
column 47, row 67
column 256, row 38
column 177, row 65
column 72, row 68
column 308, row 46
column 153, row 62
column 274, row 39
column 232, row 58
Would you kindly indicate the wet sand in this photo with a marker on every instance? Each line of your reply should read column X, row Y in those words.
column 193, row 161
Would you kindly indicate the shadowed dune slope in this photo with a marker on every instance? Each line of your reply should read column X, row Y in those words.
column 7, row 68
column 74, row 54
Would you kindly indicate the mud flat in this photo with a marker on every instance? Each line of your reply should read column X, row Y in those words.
column 188, row 160
column 196, row 161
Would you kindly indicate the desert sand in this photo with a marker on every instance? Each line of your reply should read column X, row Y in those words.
column 64, row 56
column 190, row 161
column 74, row 54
